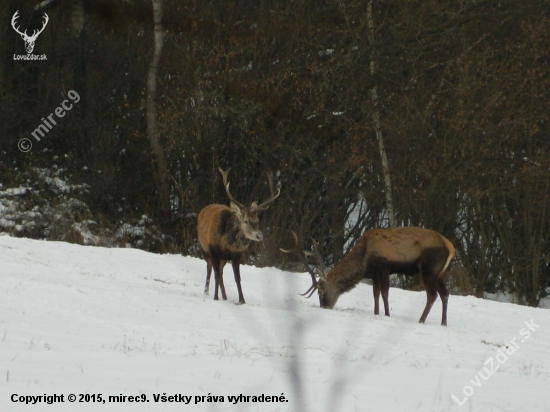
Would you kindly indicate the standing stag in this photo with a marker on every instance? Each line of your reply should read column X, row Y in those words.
column 225, row 232
column 381, row 252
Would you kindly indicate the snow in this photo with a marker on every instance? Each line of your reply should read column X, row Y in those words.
column 92, row 320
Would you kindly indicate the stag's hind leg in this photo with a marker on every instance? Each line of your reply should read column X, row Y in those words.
column 208, row 260
column 208, row 273
column 444, row 295
column 376, row 293
column 385, row 288
column 431, row 295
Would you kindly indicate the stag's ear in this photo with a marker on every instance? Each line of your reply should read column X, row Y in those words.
column 236, row 210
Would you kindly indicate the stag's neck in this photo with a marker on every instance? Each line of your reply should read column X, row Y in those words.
column 240, row 242
column 351, row 269
column 236, row 237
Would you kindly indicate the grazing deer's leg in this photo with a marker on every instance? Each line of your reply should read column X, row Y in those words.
column 431, row 293
column 376, row 292
column 208, row 273
column 444, row 295
column 385, row 287
column 222, row 286
column 236, row 271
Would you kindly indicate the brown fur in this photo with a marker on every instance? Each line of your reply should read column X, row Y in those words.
column 381, row 252
column 214, row 228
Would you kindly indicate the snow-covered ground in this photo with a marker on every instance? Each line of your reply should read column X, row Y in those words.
column 93, row 321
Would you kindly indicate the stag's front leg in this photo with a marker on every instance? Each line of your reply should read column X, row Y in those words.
column 236, row 271
column 218, row 277
column 222, row 286
column 216, row 266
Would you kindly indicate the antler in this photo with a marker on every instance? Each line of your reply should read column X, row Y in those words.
column 24, row 34
column 265, row 205
column 317, row 255
column 13, row 20
column 37, row 32
column 226, row 184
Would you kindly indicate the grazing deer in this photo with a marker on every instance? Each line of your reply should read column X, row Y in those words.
column 225, row 232
column 381, row 252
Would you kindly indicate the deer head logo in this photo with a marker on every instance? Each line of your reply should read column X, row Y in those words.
column 29, row 40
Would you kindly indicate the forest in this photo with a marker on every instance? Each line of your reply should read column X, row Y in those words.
column 368, row 113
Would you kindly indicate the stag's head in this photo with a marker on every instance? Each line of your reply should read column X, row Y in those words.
column 29, row 40
column 248, row 216
column 328, row 294
column 248, row 221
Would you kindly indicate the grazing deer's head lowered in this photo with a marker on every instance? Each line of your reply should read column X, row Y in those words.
column 29, row 40
column 381, row 252
column 225, row 232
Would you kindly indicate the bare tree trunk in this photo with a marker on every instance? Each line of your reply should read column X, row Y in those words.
column 79, row 66
column 378, row 126
column 4, row 11
column 152, row 126
column 77, row 17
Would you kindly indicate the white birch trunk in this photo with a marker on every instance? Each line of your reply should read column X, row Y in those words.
column 152, row 126
column 77, row 17
column 378, row 126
